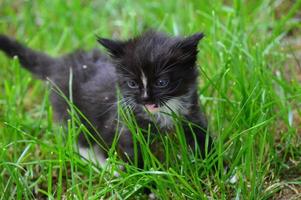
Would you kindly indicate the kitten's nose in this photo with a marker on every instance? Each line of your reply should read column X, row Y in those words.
column 145, row 96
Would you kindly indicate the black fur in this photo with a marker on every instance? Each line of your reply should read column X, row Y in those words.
column 35, row 62
column 156, row 57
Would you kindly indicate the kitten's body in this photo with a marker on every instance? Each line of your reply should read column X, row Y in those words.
column 96, row 77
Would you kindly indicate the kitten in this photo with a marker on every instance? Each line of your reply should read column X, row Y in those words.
column 156, row 75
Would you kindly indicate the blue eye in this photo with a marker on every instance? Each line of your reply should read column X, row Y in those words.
column 132, row 84
column 161, row 83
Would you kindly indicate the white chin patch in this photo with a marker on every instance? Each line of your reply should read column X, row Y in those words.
column 175, row 105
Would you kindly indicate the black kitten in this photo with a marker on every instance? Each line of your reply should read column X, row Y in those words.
column 156, row 75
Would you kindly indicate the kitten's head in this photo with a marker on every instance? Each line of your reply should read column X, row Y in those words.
column 156, row 72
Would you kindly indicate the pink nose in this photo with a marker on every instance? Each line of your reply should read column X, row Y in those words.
column 151, row 107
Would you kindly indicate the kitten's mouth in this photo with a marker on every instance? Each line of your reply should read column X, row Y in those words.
column 152, row 108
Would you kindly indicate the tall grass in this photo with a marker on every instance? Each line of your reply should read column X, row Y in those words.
column 250, row 93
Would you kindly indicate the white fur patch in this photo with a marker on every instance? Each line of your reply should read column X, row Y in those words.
column 164, row 120
column 96, row 156
column 93, row 154
column 144, row 82
column 177, row 105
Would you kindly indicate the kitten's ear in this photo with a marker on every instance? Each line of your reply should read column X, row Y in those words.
column 189, row 44
column 114, row 47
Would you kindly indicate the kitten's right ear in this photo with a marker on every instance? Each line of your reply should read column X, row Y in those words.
column 114, row 47
column 189, row 44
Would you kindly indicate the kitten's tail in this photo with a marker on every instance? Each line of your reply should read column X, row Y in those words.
column 38, row 63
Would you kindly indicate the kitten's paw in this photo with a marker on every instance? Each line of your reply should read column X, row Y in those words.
column 152, row 196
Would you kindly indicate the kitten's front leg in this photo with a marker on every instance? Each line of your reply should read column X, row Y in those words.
column 126, row 148
column 196, row 135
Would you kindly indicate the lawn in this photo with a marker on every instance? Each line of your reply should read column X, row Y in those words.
column 250, row 87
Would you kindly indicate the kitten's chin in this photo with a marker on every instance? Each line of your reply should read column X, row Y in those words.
column 152, row 108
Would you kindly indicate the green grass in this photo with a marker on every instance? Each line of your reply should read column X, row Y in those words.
column 250, row 88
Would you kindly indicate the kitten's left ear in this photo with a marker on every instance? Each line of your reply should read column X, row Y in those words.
column 114, row 47
column 189, row 44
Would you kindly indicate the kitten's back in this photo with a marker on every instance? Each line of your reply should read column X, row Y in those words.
column 91, row 71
